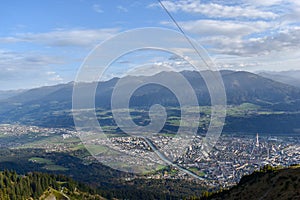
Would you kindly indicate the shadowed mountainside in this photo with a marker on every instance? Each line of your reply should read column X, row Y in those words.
column 283, row 184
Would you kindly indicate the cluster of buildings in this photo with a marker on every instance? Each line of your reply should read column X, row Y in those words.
column 51, row 139
column 17, row 130
column 232, row 157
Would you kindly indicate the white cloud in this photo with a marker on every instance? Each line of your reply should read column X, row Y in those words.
column 275, row 61
column 265, row 2
column 50, row 73
column 244, row 28
column 227, row 37
column 47, row 66
column 279, row 41
column 216, row 10
column 53, row 76
column 97, row 8
column 29, row 69
column 28, row 60
column 208, row 28
column 122, row 8
column 265, row 30
column 61, row 37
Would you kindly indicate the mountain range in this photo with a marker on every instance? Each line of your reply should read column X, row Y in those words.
column 51, row 105
column 4, row 94
column 288, row 77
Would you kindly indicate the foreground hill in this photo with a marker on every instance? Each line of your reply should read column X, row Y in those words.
column 99, row 178
column 42, row 186
column 268, row 184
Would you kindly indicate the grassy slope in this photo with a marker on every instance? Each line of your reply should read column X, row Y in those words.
column 51, row 194
column 283, row 184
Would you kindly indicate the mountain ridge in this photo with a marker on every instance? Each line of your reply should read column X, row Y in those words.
column 288, row 77
column 241, row 87
column 231, row 79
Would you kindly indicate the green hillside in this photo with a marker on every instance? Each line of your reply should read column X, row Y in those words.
column 42, row 186
column 268, row 184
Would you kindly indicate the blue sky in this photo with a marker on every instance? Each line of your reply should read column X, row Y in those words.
column 45, row 42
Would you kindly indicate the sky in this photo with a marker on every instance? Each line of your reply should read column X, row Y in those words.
column 45, row 42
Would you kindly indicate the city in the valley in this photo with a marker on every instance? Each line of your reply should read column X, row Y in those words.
column 233, row 156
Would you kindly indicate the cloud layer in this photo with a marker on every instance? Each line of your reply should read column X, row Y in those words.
column 240, row 30
column 216, row 10
column 61, row 37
